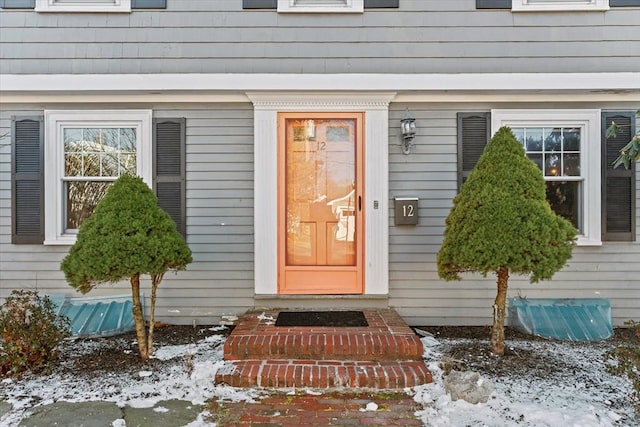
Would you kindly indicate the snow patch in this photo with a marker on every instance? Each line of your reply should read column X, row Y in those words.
column 371, row 407
column 554, row 401
column 561, row 400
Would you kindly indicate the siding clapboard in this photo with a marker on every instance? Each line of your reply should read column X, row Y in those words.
column 220, row 227
column 416, row 291
column 421, row 36
column 219, row 220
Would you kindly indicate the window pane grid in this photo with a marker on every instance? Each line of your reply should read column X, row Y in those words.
column 99, row 152
column 94, row 157
column 81, row 199
column 556, row 152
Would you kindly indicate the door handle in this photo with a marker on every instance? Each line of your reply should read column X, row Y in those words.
column 359, row 203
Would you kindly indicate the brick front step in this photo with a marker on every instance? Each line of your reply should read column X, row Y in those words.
column 324, row 346
column 385, row 354
column 325, row 374
column 386, row 338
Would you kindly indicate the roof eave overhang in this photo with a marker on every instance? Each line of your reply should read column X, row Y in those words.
column 234, row 87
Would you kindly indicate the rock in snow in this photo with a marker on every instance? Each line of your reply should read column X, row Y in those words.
column 468, row 386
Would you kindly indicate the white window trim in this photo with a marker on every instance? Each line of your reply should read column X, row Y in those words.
column 376, row 109
column 558, row 5
column 590, row 167
column 83, row 6
column 345, row 6
column 55, row 122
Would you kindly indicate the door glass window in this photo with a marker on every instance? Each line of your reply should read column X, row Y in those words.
column 320, row 200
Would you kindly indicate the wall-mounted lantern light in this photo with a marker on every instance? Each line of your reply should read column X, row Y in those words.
column 408, row 128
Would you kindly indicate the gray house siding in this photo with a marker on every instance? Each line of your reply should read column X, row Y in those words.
column 430, row 173
column 220, row 281
column 219, row 148
column 421, row 36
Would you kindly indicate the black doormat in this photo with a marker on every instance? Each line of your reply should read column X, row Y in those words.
column 336, row 319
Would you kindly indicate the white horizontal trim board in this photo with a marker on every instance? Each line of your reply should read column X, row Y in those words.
column 140, row 83
column 219, row 97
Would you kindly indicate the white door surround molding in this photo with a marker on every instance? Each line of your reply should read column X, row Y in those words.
column 376, row 109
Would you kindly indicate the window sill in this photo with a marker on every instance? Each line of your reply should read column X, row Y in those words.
column 115, row 6
column 64, row 240
column 585, row 241
column 553, row 8
column 351, row 6
column 560, row 6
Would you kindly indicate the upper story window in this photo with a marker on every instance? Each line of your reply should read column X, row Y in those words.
column 321, row 6
column 565, row 144
column 558, row 5
column 86, row 151
column 83, row 6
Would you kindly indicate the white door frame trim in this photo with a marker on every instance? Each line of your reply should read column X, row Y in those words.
column 376, row 109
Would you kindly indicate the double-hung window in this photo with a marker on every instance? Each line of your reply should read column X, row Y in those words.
column 321, row 6
column 83, row 6
column 565, row 144
column 558, row 5
column 85, row 152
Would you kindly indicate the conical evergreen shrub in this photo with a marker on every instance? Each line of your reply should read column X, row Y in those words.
column 502, row 223
column 127, row 236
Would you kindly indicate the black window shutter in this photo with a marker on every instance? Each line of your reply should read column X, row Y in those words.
column 493, row 4
column 474, row 131
column 27, row 179
column 273, row 4
column 148, row 4
column 624, row 3
column 381, row 3
column 18, row 4
column 259, row 4
column 169, row 137
column 619, row 184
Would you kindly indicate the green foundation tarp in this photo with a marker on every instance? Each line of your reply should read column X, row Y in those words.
column 101, row 316
column 570, row 319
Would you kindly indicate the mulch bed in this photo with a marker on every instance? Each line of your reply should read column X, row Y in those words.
column 120, row 353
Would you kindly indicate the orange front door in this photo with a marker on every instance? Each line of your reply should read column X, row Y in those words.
column 320, row 214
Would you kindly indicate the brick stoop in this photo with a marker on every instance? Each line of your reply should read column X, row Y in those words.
column 326, row 374
column 387, row 354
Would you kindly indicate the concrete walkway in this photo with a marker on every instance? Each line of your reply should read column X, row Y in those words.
column 278, row 409
column 107, row 414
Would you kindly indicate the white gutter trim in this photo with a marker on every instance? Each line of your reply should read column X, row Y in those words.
column 163, row 83
column 432, row 97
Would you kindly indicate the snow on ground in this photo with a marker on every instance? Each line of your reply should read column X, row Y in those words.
column 556, row 401
column 561, row 400
column 189, row 378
